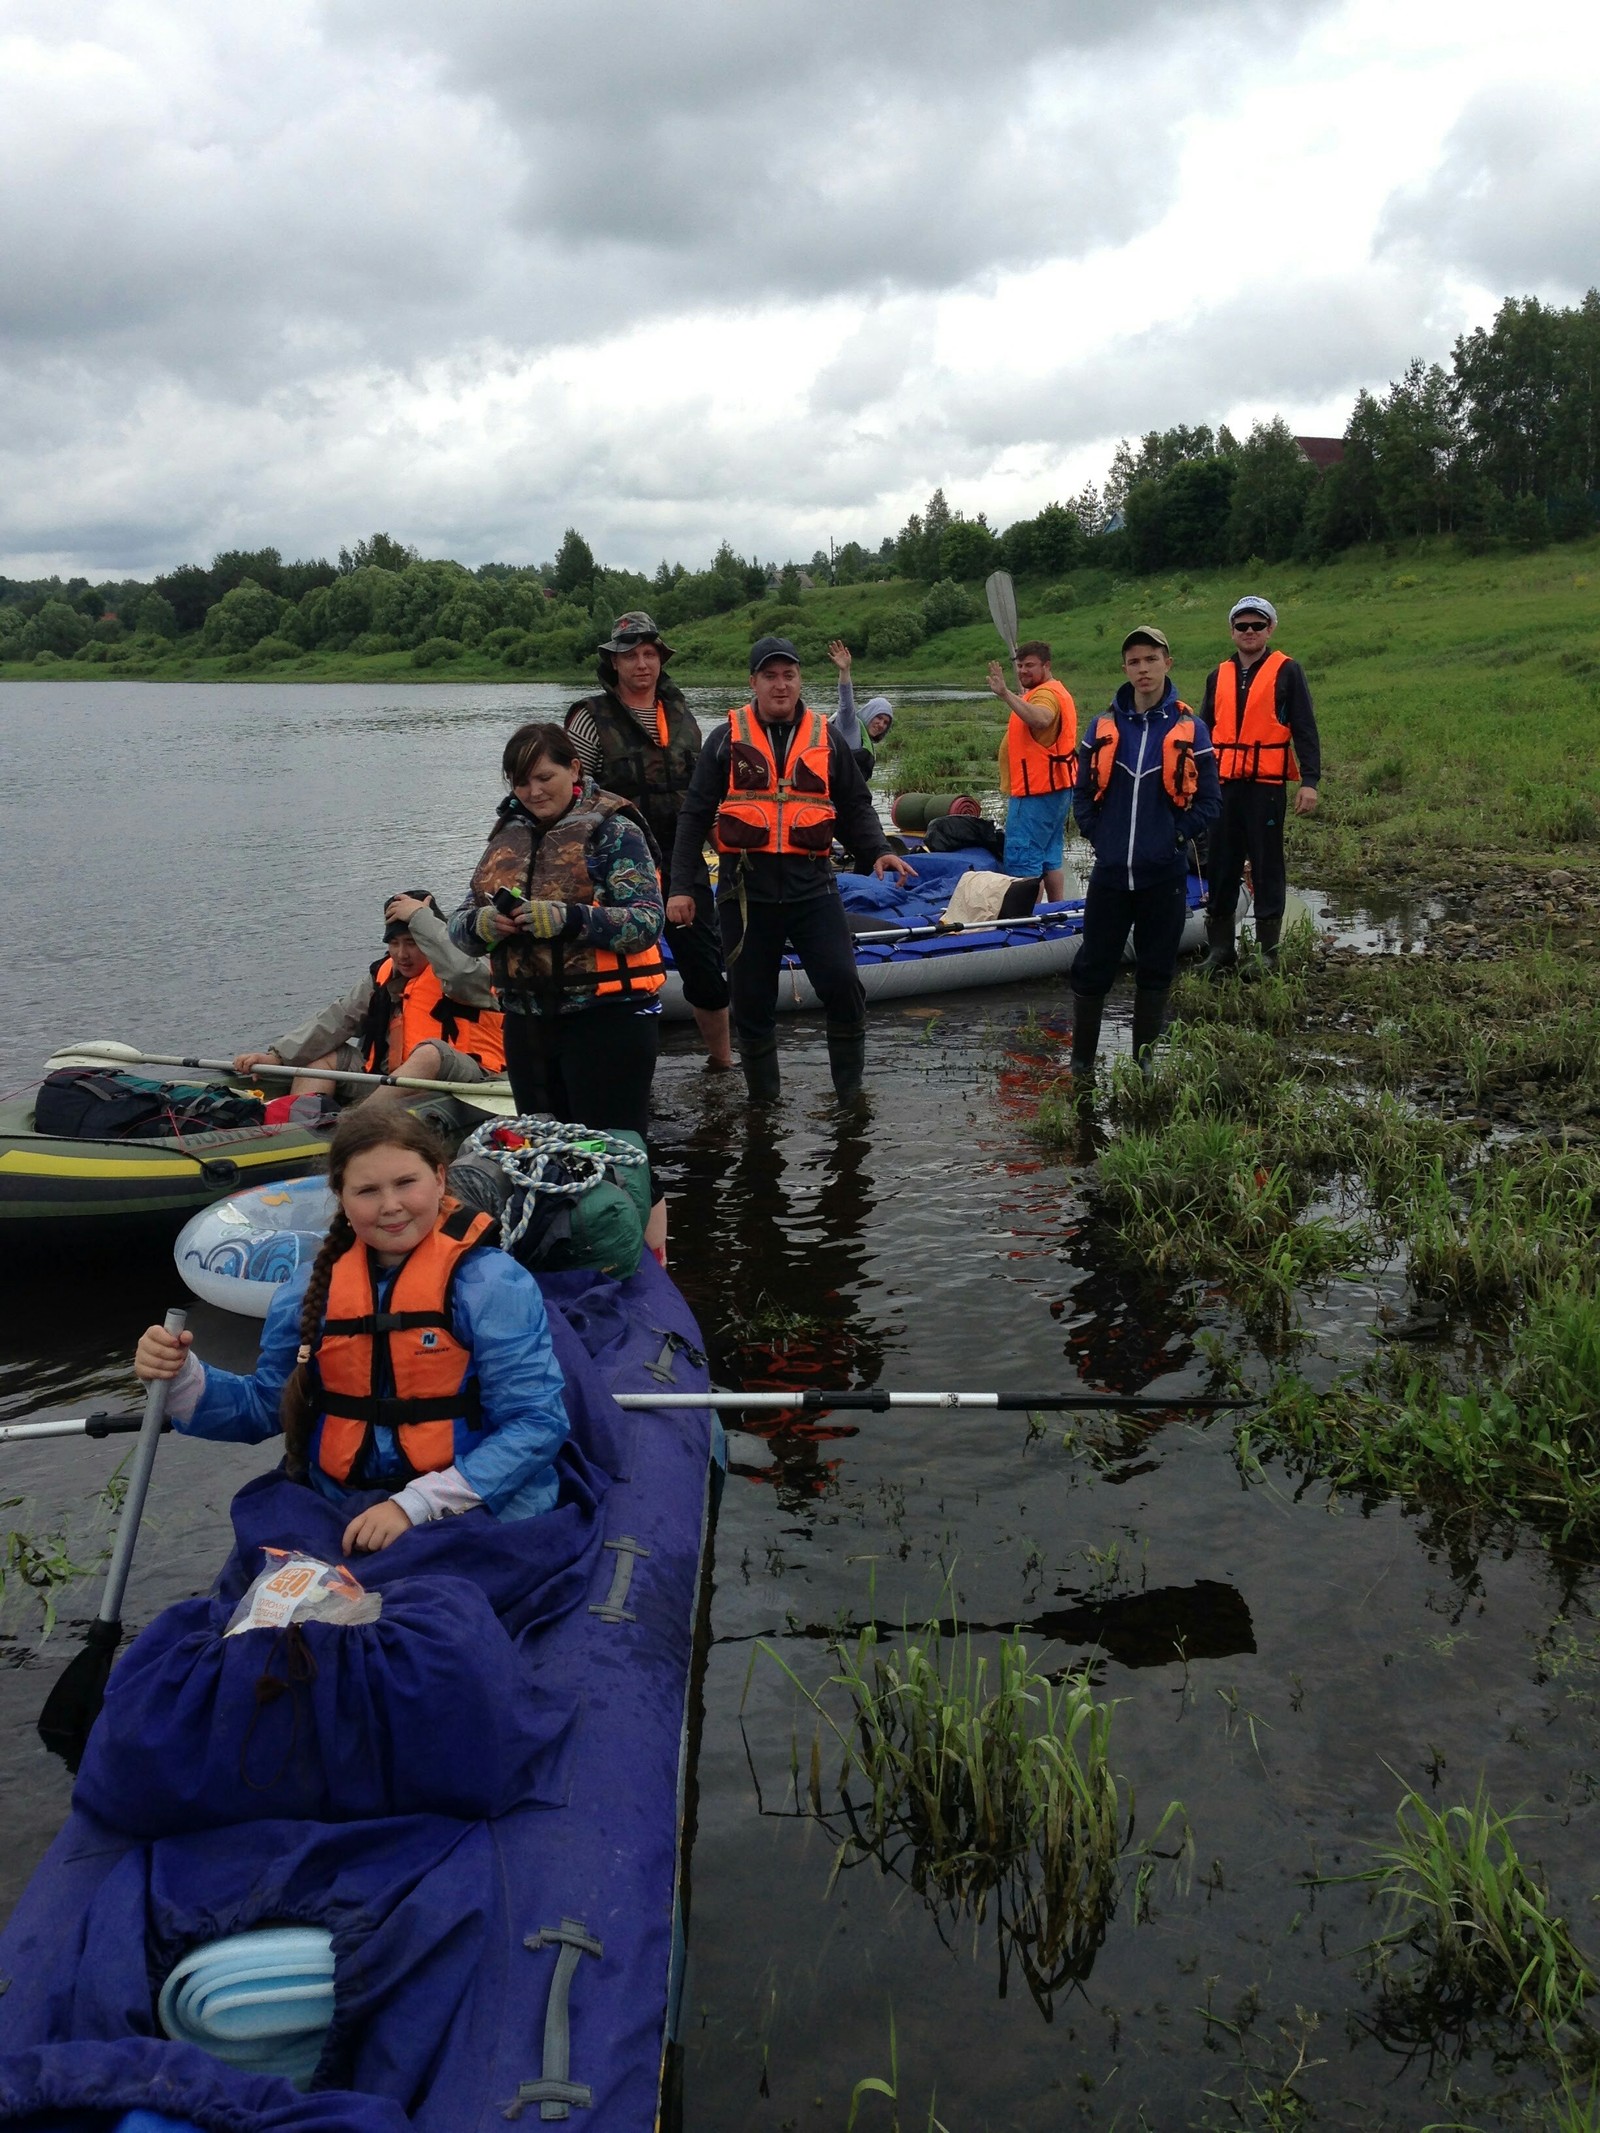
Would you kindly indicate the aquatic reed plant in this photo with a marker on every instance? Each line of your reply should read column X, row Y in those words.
column 1520, row 1221
column 1471, row 1932
column 987, row 1783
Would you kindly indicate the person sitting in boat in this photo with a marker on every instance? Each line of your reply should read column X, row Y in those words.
column 860, row 731
column 424, row 1010
column 475, row 1363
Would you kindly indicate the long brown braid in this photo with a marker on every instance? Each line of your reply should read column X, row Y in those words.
column 376, row 1124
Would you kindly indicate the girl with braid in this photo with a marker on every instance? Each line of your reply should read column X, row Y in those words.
column 410, row 1358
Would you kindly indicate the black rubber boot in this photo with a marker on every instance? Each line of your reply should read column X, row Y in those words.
column 1269, row 931
column 1223, row 960
column 847, row 1062
column 1087, row 1015
column 1149, row 1020
column 761, row 1076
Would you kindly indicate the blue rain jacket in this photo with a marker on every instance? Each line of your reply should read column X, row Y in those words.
column 1137, row 834
column 498, row 1313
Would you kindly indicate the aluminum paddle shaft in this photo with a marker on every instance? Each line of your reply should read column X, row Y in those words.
column 877, row 1403
column 114, row 1055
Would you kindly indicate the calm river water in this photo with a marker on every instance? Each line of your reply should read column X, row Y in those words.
column 195, row 867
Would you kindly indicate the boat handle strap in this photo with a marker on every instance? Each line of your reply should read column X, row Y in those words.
column 613, row 1608
column 555, row 2092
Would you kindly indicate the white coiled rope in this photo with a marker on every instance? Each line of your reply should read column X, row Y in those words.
column 586, row 1151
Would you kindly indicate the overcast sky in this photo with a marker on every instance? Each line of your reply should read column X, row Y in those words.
column 675, row 271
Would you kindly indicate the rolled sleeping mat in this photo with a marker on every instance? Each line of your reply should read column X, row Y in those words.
column 259, row 2001
column 913, row 811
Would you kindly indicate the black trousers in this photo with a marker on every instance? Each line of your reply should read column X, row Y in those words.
column 593, row 1068
column 1155, row 914
column 753, row 943
column 697, row 951
column 1249, row 827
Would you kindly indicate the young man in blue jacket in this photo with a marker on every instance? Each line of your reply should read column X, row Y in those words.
column 1147, row 783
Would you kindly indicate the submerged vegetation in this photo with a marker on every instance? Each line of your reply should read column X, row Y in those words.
column 987, row 1784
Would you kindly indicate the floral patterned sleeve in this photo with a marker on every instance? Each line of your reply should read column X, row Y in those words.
column 629, row 914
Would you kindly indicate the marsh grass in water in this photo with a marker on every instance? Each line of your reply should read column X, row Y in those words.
column 39, row 1564
column 987, row 1784
column 1470, row 1932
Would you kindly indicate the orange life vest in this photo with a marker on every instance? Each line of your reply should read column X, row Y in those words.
column 768, row 810
column 1180, row 779
column 1256, row 747
column 1032, row 765
column 423, row 1014
column 433, row 1407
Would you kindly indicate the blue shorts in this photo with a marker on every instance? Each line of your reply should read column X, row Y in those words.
column 1035, row 830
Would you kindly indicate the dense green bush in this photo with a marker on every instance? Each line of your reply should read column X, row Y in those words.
column 241, row 618
column 434, row 651
column 949, row 606
column 895, row 634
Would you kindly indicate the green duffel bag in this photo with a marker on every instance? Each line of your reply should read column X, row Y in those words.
column 569, row 1196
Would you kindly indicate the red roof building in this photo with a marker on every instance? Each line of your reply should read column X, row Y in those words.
column 1323, row 452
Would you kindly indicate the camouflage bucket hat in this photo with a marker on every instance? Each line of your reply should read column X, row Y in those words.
column 636, row 627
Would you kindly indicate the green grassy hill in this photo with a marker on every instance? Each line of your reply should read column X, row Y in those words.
column 1459, row 697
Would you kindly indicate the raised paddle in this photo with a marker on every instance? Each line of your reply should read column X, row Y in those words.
column 1001, row 595
column 74, row 1703
column 492, row 1096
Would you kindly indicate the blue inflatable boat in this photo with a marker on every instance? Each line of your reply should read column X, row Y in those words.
column 427, row 1867
column 931, row 961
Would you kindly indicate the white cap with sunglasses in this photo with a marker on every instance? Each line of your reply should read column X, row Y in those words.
column 1253, row 606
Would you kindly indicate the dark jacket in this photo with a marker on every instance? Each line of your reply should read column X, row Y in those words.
column 621, row 753
column 1292, row 697
column 769, row 878
column 1137, row 833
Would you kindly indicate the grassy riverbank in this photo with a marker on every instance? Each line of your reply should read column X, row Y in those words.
column 1458, row 696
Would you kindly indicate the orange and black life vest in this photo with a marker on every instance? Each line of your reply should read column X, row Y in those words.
column 784, row 812
column 1256, row 746
column 394, row 1028
column 1035, row 766
column 432, row 1404
column 1180, row 779
column 556, row 869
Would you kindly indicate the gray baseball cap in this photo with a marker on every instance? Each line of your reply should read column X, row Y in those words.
column 1147, row 633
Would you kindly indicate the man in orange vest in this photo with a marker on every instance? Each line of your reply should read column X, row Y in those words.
column 424, row 1010
column 1038, row 768
column 772, row 790
column 1258, row 708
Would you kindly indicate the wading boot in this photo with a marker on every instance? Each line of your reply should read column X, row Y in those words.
column 1223, row 960
column 761, row 1072
column 1265, row 961
column 1086, row 1018
column 847, row 1062
column 1149, row 1019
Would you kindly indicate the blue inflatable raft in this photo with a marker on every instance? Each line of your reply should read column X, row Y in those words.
column 429, row 1866
column 1042, row 946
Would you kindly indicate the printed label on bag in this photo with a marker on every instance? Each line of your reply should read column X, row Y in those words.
column 302, row 1588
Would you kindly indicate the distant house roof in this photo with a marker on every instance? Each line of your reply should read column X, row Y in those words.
column 1323, row 452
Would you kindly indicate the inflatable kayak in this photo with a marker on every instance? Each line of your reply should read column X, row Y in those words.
column 435, row 1874
column 1044, row 945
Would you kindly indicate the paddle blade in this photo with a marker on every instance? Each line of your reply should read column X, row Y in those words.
column 1002, row 597
column 73, row 1705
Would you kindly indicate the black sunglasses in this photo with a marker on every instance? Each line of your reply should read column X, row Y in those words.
column 1251, row 627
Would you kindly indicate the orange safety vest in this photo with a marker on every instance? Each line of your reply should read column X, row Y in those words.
column 424, row 1015
column 433, row 1407
column 1180, row 778
column 767, row 810
column 1256, row 747
column 1031, row 765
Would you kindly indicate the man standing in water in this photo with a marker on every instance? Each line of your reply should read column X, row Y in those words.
column 1038, row 767
column 638, row 739
column 1147, row 783
column 1258, row 708
column 773, row 788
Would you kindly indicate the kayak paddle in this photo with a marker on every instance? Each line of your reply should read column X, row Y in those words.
column 876, row 1401
column 74, row 1703
column 492, row 1096
column 96, row 1425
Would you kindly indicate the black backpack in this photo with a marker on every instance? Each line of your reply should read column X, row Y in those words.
column 96, row 1104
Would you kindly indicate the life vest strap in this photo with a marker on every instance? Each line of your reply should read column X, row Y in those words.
column 388, row 1322
column 388, row 1412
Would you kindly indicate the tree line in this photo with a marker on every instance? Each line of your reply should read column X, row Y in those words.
column 1503, row 447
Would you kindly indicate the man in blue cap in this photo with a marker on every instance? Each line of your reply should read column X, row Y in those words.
column 1258, row 709
column 773, row 789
